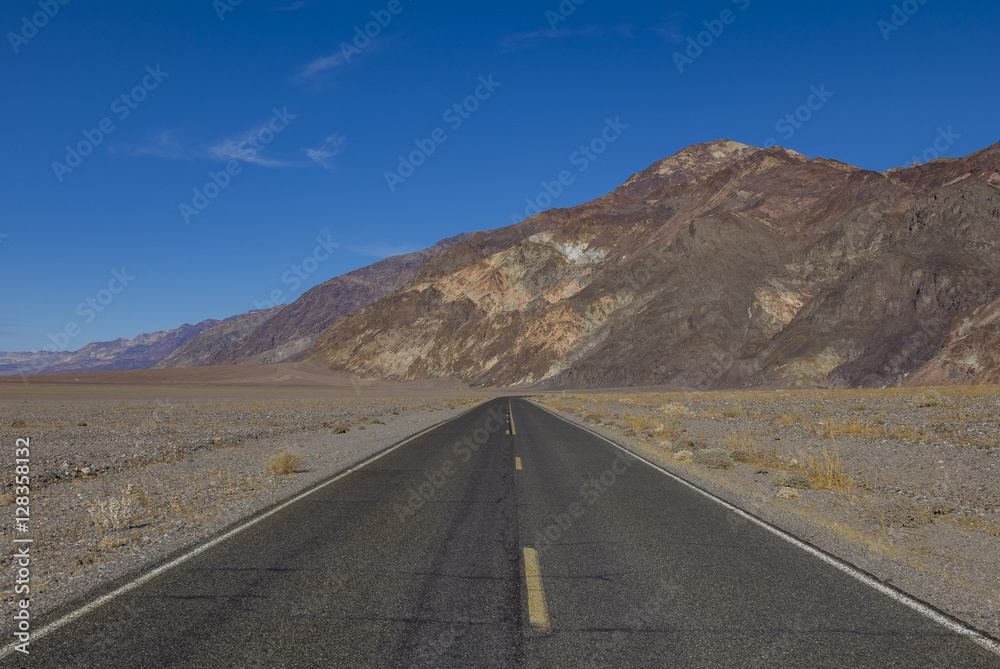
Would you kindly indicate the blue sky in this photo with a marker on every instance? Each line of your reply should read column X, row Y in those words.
column 259, row 104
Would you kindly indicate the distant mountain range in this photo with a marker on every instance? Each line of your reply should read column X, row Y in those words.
column 724, row 265
column 118, row 355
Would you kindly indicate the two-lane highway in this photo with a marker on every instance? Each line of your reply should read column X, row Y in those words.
column 499, row 540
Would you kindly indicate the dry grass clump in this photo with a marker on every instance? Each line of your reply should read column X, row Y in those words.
column 787, row 493
column 111, row 541
column 338, row 428
column 741, row 456
column 927, row 399
column 284, row 463
column 823, row 470
column 683, row 456
column 797, row 481
column 713, row 458
column 118, row 512
column 657, row 429
column 901, row 512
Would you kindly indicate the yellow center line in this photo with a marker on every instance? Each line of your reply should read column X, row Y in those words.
column 538, row 612
column 510, row 415
column 517, row 463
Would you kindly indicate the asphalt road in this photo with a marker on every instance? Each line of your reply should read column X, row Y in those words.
column 419, row 559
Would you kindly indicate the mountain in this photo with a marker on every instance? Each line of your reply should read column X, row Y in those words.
column 724, row 265
column 231, row 332
column 118, row 355
column 281, row 333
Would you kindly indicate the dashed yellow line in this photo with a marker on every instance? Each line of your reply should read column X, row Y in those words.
column 517, row 463
column 538, row 612
column 510, row 415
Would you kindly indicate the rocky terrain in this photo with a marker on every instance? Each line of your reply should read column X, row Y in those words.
column 901, row 483
column 285, row 331
column 722, row 266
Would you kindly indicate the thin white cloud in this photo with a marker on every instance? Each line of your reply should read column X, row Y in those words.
column 670, row 29
column 522, row 41
column 323, row 64
column 240, row 148
column 245, row 147
column 330, row 147
column 163, row 145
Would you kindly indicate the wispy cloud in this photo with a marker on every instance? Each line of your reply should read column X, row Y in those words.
column 243, row 147
column 330, row 147
column 239, row 148
column 532, row 40
column 295, row 6
column 323, row 64
column 162, row 145
column 670, row 29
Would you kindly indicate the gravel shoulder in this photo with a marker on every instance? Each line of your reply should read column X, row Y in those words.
column 906, row 492
column 118, row 485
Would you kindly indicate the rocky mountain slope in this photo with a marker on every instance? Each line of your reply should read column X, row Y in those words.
column 118, row 355
column 724, row 265
column 283, row 332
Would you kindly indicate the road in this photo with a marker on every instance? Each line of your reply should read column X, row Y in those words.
column 473, row 547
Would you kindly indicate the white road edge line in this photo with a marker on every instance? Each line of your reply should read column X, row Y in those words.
column 923, row 608
column 150, row 575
